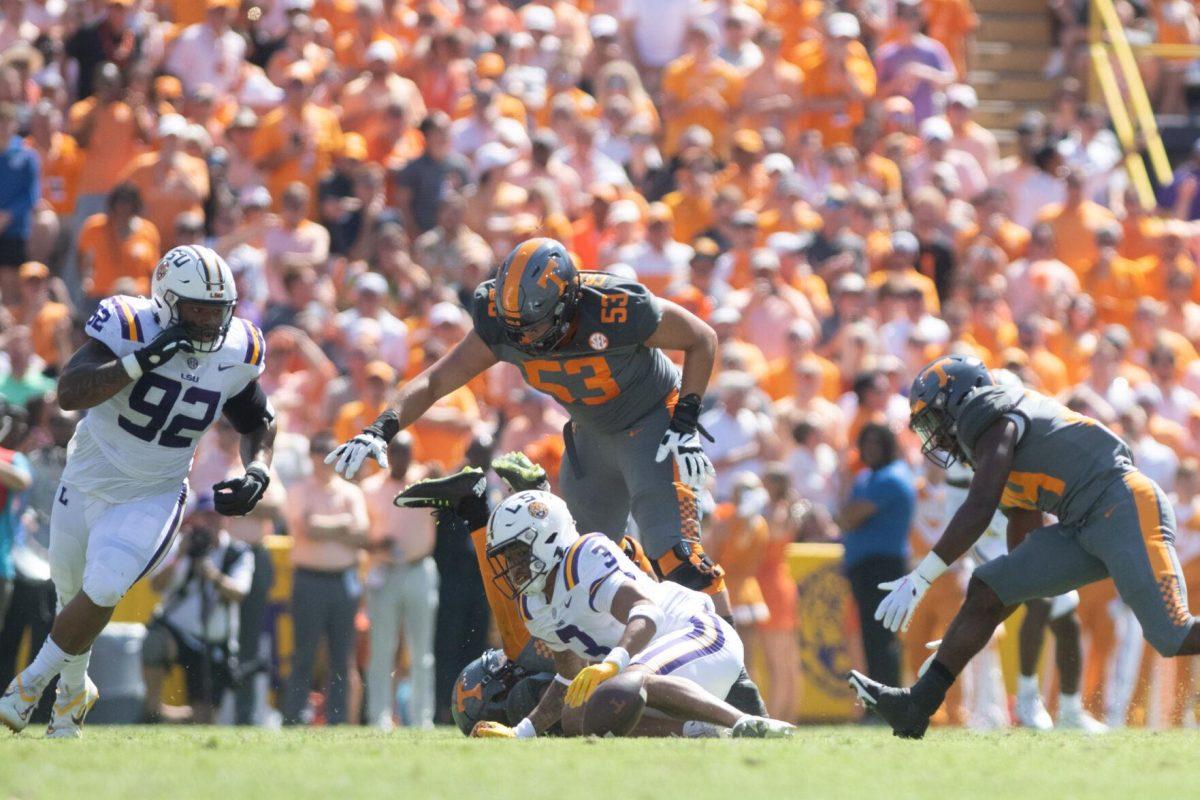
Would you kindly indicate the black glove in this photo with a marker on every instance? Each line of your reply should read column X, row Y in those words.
column 238, row 496
column 171, row 341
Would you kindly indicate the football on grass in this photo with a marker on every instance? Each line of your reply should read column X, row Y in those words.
column 616, row 706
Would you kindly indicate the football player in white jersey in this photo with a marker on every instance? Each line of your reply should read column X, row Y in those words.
column 153, row 375
column 602, row 615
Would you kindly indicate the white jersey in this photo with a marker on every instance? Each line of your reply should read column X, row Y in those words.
column 579, row 616
column 141, row 440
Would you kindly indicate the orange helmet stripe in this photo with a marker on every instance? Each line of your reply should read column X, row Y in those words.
column 511, row 292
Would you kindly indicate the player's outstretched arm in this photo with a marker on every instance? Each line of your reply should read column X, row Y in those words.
column 548, row 711
column 93, row 375
column 679, row 329
column 642, row 618
column 994, row 454
column 465, row 360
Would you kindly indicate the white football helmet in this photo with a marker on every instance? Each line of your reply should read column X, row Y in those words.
column 194, row 274
column 528, row 534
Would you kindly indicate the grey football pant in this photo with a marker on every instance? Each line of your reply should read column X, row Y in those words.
column 1130, row 537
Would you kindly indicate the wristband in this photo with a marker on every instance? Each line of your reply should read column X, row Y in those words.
column 560, row 679
column 132, row 366
column 524, row 729
column 262, row 469
column 619, row 656
column 686, row 416
column 385, row 426
column 930, row 567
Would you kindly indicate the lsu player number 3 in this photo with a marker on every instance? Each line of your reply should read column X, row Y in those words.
column 154, row 374
column 595, row 343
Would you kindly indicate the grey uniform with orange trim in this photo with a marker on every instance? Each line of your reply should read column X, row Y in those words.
column 617, row 392
column 1113, row 521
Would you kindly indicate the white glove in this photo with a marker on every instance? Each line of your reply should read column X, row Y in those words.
column 351, row 455
column 904, row 595
column 694, row 466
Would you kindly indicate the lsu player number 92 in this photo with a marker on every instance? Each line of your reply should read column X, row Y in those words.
column 153, row 374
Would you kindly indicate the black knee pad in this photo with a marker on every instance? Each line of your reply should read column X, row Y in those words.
column 688, row 565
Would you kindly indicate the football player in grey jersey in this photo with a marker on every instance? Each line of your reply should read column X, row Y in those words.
column 1032, row 457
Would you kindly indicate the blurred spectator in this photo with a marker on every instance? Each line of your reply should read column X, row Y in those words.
column 48, row 320
column 839, row 79
column 875, row 523
column 912, row 64
column 327, row 517
column 369, row 315
column 117, row 244
column 424, row 180
column 740, row 431
column 196, row 623
column 15, row 479
column 109, row 38
column 209, row 52
column 25, row 380
column 169, row 180
column 20, row 189
column 402, row 592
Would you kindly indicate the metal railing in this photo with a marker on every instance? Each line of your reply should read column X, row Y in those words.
column 1131, row 112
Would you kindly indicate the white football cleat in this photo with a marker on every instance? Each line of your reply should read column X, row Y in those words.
column 761, row 728
column 16, row 704
column 69, row 710
column 1070, row 719
column 1032, row 713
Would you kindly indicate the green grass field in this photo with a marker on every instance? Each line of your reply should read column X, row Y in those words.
column 233, row 764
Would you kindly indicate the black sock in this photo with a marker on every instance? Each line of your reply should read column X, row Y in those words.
column 930, row 689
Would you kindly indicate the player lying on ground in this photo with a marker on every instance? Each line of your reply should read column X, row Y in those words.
column 595, row 343
column 463, row 495
column 602, row 616
column 154, row 374
column 1031, row 456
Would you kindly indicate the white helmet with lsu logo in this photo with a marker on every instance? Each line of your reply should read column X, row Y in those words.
column 528, row 535
column 194, row 287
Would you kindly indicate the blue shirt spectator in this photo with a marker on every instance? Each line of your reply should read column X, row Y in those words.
column 20, row 185
column 891, row 489
column 15, row 478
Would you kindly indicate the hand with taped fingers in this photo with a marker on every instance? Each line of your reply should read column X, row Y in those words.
column 486, row 729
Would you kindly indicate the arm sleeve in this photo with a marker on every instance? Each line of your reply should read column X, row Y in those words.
column 249, row 408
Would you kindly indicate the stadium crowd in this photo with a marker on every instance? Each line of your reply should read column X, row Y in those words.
column 806, row 176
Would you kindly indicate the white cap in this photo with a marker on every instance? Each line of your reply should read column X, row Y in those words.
column 537, row 18
column 843, row 24
column 725, row 315
column 382, row 50
column 850, row 282
column 778, row 162
column 622, row 270
column 298, row 5
column 255, row 197
column 371, row 282
column 905, row 242
column 963, row 95
column 623, row 211
column 445, row 314
column 492, row 155
column 602, row 25
column 936, row 129
column 171, row 125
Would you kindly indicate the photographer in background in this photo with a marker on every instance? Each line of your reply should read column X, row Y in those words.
column 196, row 623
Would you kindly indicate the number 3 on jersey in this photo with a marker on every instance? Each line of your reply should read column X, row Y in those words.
column 154, row 396
column 585, row 380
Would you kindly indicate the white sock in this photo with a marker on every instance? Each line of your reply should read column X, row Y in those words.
column 695, row 729
column 73, row 675
column 1070, row 704
column 1027, row 685
column 49, row 662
